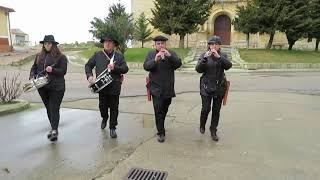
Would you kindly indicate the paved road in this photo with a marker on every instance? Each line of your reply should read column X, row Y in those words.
column 134, row 84
column 263, row 136
column 83, row 151
column 285, row 111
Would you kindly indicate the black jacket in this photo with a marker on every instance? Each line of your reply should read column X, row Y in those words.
column 100, row 62
column 213, row 80
column 56, row 77
column 162, row 74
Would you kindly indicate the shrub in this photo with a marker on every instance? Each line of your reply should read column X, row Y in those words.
column 10, row 88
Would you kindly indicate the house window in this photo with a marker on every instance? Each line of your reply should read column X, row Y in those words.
column 20, row 39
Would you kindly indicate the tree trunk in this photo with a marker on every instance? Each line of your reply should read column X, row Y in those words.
column 291, row 42
column 290, row 46
column 142, row 42
column 270, row 40
column 248, row 38
column 317, row 44
column 181, row 42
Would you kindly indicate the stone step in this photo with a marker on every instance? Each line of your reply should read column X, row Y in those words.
column 198, row 51
column 189, row 67
column 225, row 49
column 237, row 66
column 194, row 63
column 192, row 70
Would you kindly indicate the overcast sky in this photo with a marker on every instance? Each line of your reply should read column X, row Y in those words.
column 67, row 20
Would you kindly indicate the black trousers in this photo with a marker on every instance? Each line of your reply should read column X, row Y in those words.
column 160, row 106
column 206, row 107
column 111, row 102
column 52, row 100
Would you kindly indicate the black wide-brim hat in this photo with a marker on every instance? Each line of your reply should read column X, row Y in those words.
column 109, row 37
column 160, row 38
column 48, row 38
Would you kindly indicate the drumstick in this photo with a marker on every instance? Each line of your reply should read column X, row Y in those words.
column 45, row 69
column 111, row 62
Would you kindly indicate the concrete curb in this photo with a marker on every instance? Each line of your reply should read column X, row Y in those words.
column 255, row 66
column 192, row 70
column 236, row 70
column 132, row 65
column 20, row 105
column 24, row 60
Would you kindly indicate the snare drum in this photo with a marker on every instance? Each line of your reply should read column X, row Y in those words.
column 101, row 82
column 36, row 83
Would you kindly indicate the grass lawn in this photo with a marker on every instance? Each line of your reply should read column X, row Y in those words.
column 279, row 56
column 137, row 54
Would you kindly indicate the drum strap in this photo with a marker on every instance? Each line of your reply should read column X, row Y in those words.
column 111, row 60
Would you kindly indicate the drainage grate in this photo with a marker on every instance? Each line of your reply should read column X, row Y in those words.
column 145, row 174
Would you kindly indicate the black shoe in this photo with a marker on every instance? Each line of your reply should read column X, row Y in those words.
column 113, row 133
column 104, row 123
column 49, row 134
column 214, row 136
column 161, row 138
column 54, row 135
column 202, row 130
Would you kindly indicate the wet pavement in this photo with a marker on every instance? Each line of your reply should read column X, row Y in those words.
column 83, row 150
column 268, row 130
column 134, row 83
column 263, row 136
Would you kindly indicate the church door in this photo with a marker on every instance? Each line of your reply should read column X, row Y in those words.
column 222, row 28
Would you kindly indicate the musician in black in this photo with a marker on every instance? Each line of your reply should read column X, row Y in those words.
column 212, row 65
column 50, row 61
column 109, row 95
column 161, row 64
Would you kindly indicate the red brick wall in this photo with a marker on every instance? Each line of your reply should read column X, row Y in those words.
column 4, row 45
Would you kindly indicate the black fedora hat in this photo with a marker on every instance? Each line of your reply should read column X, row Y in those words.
column 160, row 38
column 109, row 37
column 48, row 38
